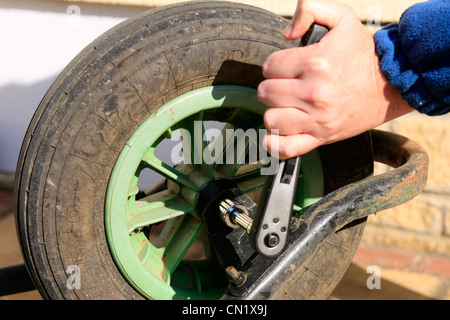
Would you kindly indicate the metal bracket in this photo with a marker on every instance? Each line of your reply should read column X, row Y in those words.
column 345, row 205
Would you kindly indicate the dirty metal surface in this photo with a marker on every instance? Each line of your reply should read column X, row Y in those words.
column 350, row 203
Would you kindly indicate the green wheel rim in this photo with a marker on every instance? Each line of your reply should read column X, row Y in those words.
column 156, row 268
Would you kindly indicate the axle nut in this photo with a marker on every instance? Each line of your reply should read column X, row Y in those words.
column 272, row 240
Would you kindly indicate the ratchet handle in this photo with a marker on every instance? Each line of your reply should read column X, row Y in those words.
column 271, row 223
column 273, row 216
column 314, row 34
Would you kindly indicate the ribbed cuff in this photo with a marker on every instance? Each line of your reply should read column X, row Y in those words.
column 400, row 73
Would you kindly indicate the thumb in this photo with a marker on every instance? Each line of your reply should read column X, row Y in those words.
column 327, row 13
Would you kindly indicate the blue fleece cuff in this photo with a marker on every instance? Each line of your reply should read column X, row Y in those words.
column 415, row 56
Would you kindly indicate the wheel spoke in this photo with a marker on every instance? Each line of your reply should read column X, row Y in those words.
column 237, row 147
column 251, row 184
column 177, row 240
column 247, row 171
column 156, row 208
column 198, row 153
column 166, row 170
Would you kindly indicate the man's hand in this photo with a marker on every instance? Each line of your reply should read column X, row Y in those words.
column 329, row 91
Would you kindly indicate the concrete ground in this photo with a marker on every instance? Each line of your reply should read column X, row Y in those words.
column 375, row 273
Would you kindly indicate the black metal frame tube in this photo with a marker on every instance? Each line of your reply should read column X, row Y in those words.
column 15, row 279
column 353, row 202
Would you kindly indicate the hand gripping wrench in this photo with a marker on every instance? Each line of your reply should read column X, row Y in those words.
column 272, row 219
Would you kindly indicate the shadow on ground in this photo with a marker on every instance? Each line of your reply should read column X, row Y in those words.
column 353, row 287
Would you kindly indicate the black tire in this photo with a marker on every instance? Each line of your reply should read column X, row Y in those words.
column 100, row 99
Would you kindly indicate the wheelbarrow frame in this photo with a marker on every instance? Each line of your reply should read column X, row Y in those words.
column 333, row 212
column 352, row 202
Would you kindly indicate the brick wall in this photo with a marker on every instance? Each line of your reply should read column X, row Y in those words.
column 390, row 10
column 424, row 223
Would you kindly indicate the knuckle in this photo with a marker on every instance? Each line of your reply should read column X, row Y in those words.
column 318, row 96
column 317, row 64
column 262, row 91
column 266, row 92
column 348, row 11
column 271, row 64
column 329, row 128
column 305, row 6
column 287, row 151
column 266, row 66
column 270, row 120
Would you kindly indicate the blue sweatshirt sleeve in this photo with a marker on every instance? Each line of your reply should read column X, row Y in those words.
column 415, row 56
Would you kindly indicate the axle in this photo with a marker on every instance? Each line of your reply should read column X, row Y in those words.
column 235, row 215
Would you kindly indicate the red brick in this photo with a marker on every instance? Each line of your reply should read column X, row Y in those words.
column 384, row 258
column 439, row 266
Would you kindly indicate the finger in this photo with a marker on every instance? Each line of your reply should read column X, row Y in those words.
column 287, row 147
column 287, row 121
column 326, row 13
column 285, row 64
column 284, row 93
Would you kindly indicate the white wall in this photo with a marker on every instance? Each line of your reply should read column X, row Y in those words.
column 37, row 40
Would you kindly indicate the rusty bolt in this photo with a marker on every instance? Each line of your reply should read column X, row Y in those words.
column 237, row 278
